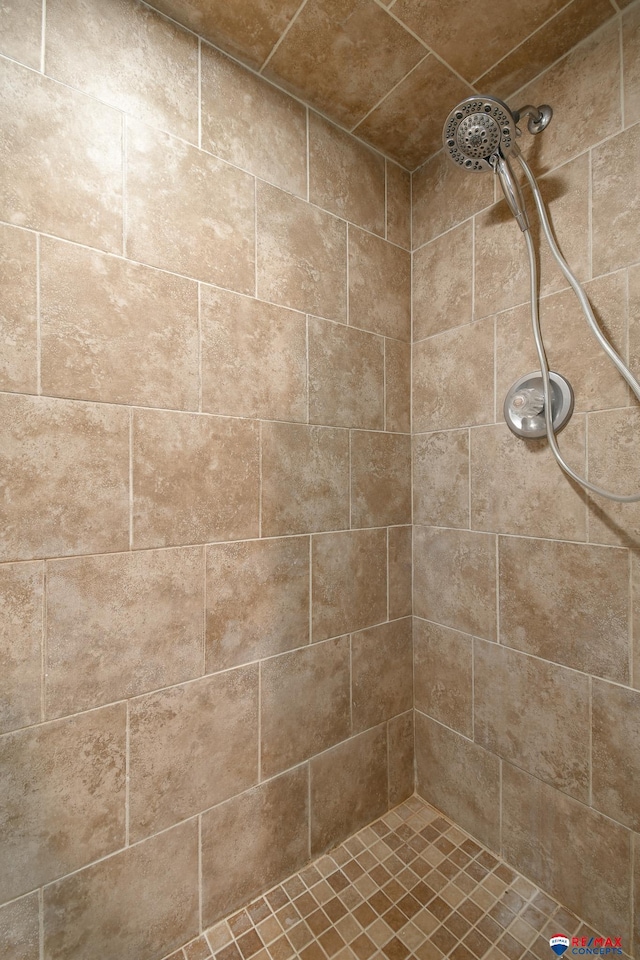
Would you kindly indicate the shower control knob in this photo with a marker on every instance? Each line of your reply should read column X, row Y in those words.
column 524, row 405
column 528, row 402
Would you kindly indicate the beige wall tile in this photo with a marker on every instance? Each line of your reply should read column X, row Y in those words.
column 346, row 376
column 401, row 778
column 443, row 195
column 517, row 486
column 121, row 624
column 534, row 714
column 499, row 252
column 62, row 158
column 441, row 479
column 304, row 704
column 253, row 841
column 195, row 479
column 613, row 464
column 382, row 673
column 398, row 205
column 345, row 176
column 305, row 479
column 616, row 201
column 631, row 65
column 20, row 929
column 188, row 211
column 257, row 600
column 616, row 753
column 110, row 915
column 635, row 616
column 254, row 357
column 380, row 479
column 302, row 259
column 66, row 478
column 454, row 579
column 565, row 192
column 101, row 341
column 191, row 747
column 21, row 618
column 570, row 608
column 397, row 374
column 443, row 675
column 21, row 32
column 379, row 285
column 539, row 824
column 438, row 400
column 400, row 567
column 443, row 282
column 348, row 788
column 18, row 317
column 349, row 575
column 253, row 125
column 62, row 797
column 128, row 56
column 459, row 778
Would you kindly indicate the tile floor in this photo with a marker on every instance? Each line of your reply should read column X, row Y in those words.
column 412, row 884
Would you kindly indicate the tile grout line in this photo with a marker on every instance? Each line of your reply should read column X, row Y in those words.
column 280, row 39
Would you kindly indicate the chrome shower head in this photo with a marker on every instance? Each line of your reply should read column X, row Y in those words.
column 478, row 131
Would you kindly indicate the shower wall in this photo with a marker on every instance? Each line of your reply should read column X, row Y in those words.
column 205, row 594
column 526, row 593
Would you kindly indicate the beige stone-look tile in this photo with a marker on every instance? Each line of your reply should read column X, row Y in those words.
column 398, row 205
column 455, row 579
column 257, row 600
column 345, row 176
column 571, row 607
column 21, row 32
column 440, row 399
column 115, row 331
column 441, row 479
column 62, row 797
column 400, row 734
column 20, row 929
column 590, row 76
column 349, row 577
column 187, row 211
column 342, row 56
column 191, row 746
column 443, row 196
column 613, row 464
column 348, row 788
column 128, row 56
column 302, row 255
column 546, row 734
column 539, row 824
column 65, row 475
column 62, row 159
column 631, row 65
column 21, row 618
column 405, row 124
column 121, row 624
column 400, row 567
column 382, row 673
column 254, row 357
column 379, row 285
column 253, row 841
column 346, row 376
column 304, row 704
column 459, row 778
column 565, row 192
column 635, row 615
column 253, row 125
column 517, row 486
column 397, row 375
column 380, row 479
column 443, row 282
column 499, row 252
column 110, row 917
column 616, row 752
column 570, row 26
column 18, row 314
column 443, row 675
column 195, row 479
column 305, row 479
column 616, row 201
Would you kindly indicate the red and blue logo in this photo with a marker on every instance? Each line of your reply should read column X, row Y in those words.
column 559, row 944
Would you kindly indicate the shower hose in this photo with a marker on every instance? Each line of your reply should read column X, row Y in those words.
column 537, row 334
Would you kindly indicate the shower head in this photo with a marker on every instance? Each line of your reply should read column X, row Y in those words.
column 478, row 131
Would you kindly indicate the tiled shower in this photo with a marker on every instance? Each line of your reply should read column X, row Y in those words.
column 262, row 522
